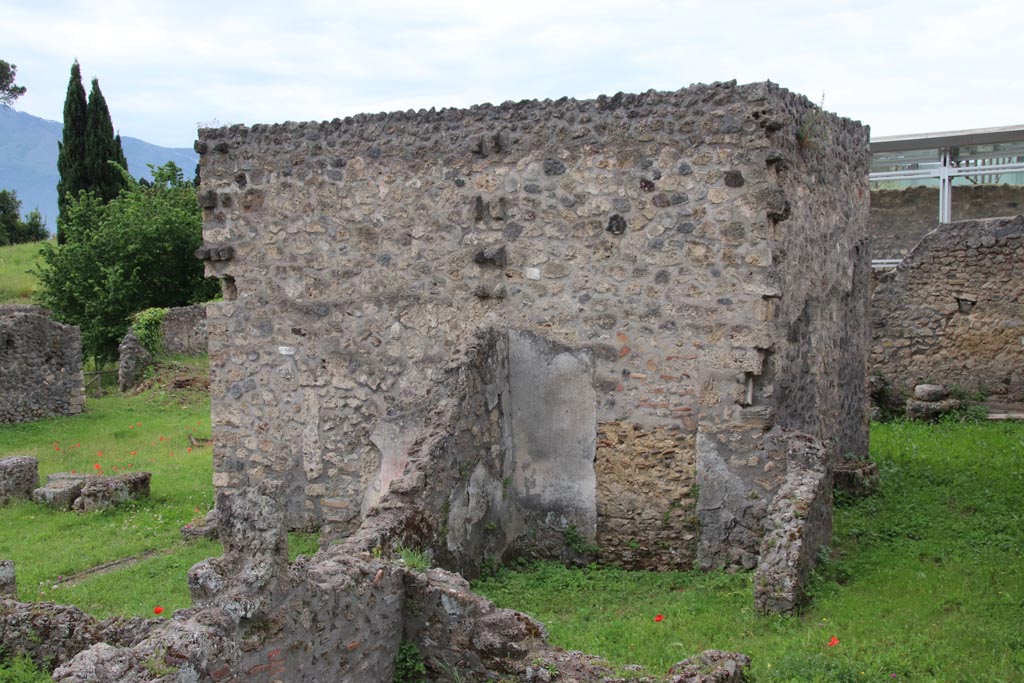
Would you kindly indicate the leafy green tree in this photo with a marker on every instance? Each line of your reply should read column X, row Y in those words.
column 14, row 230
column 9, row 91
column 71, row 160
column 133, row 253
column 102, row 147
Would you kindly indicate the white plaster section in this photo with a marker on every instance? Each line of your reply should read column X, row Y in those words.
column 554, row 427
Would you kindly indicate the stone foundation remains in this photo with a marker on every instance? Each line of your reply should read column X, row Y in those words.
column 40, row 365
column 952, row 312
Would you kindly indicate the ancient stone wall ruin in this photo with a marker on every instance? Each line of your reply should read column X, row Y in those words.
column 630, row 329
column 900, row 218
column 183, row 330
column 952, row 311
column 40, row 365
column 702, row 271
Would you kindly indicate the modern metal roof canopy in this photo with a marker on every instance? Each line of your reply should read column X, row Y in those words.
column 954, row 138
column 982, row 156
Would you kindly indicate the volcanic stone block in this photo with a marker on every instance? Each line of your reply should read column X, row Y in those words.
column 18, row 476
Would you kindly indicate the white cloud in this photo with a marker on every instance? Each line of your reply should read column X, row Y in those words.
column 901, row 66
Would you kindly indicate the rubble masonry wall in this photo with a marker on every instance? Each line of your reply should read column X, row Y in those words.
column 701, row 252
column 951, row 312
column 40, row 365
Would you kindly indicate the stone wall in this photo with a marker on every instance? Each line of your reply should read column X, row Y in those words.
column 184, row 330
column 900, row 218
column 40, row 365
column 699, row 270
column 952, row 311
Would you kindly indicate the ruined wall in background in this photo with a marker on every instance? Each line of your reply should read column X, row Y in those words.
column 900, row 218
column 40, row 365
column 952, row 312
column 680, row 248
column 184, row 330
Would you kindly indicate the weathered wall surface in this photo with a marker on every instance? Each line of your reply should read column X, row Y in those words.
column 184, row 330
column 953, row 311
column 900, row 218
column 40, row 365
column 677, row 241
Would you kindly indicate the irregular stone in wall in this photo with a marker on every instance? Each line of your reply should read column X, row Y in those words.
column 19, row 475
column 798, row 524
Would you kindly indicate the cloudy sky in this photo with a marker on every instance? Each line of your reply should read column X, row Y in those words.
column 898, row 65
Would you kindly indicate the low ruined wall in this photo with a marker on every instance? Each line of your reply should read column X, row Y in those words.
column 40, row 366
column 184, row 330
column 952, row 312
column 900, row 218
column 798, row 524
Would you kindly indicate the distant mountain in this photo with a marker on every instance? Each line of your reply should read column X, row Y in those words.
column 28, row 160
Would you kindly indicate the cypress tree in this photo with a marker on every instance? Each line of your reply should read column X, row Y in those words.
column 102, row 147
column 71, row 150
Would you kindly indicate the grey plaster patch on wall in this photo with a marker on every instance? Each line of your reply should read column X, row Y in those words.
column 553, row 425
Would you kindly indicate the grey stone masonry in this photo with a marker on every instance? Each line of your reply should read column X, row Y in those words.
column 696, row 260
column 89, row 492
column 40, row 365
column 183, row 330
column 8, row 580
column 953, row 312
column 19, row 475
column 798, row 525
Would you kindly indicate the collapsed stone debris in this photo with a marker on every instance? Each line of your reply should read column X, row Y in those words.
column 88, row 492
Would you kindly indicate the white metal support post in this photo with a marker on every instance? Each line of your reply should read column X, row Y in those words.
column 945, row 188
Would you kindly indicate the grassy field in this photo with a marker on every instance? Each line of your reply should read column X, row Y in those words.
column 926, row 580
column 16, row 283
column 119, row 433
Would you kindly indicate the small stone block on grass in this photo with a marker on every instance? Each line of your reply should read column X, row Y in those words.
column 19, row 475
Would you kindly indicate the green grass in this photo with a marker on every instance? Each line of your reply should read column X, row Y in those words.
column 926, row 581
column 120, row 433
column 16, row 283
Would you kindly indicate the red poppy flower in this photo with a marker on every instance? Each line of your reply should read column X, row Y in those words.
column 97, row 467
column 659, row 617
column 158, row 610
column 833, row 641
